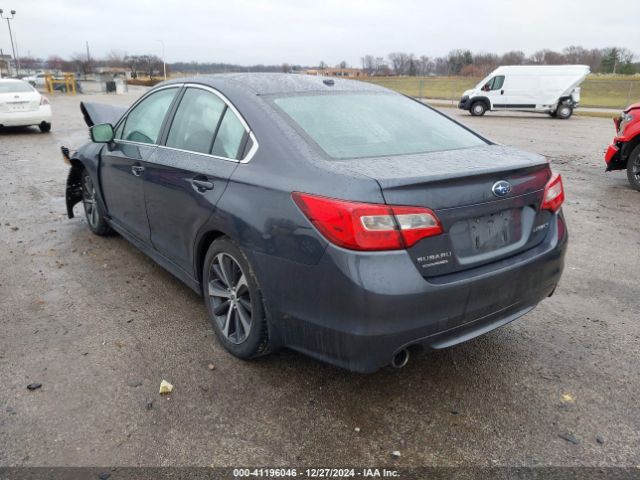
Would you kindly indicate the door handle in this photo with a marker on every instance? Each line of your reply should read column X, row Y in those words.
column 501, row 92
column 202, row 185
column 137, row 170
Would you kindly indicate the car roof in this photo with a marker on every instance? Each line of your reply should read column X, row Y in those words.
column 284, row 83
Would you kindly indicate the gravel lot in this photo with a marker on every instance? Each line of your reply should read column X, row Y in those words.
column 99, row 325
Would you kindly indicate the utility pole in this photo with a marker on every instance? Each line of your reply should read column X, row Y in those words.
column 13, row 48
column 88, row 55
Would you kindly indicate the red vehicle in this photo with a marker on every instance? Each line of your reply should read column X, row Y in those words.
column 624, row 151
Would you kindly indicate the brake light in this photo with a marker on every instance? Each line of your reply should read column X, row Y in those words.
column 44, row 100
column 553, row 194
column 368, row 226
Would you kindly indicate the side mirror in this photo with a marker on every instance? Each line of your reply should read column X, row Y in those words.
column 101, row 133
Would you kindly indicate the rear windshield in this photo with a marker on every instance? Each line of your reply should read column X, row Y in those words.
column 373, row 125
column 15, row 87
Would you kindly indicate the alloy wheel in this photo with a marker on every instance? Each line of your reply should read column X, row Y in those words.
column 89, row 201
column 230, row 298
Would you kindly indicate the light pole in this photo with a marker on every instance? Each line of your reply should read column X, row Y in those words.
column 164, row 63
column 13, row 48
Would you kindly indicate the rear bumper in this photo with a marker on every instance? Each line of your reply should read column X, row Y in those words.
column 23, row 119
column 356, row 310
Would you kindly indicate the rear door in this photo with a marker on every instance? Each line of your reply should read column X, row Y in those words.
column 188, row 174
column 123, row 163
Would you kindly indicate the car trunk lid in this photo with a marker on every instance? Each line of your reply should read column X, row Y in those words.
column 19, row 102
column 480, row 226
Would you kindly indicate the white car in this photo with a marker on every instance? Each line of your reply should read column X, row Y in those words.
column 21, row 105
column 37, row 80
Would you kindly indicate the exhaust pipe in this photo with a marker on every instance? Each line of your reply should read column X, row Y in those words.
column 400, row 359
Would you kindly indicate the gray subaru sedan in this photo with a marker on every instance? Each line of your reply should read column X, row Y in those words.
column 333, row 217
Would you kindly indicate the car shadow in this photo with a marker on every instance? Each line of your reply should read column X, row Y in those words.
column 18, row 130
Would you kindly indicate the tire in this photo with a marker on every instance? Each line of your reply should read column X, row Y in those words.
column 633, row 168
column 45, row 127
column 478, row 109
column 92, row 209
column 553, row 113
column 234, row 301
column 564, row 111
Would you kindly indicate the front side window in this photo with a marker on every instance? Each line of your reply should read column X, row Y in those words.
column 498, row 82
column 143, row 123
column 495, row 83
column 358, row 125
column 196, row 121
column 230, row 138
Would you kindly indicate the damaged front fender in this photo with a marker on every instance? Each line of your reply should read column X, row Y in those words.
column 85, row 159
column 74, row 186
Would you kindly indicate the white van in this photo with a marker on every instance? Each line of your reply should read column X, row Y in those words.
column 553, row 89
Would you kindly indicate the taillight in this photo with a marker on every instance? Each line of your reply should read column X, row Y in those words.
column 368, row 226
column 44, row 100
column 553, row 194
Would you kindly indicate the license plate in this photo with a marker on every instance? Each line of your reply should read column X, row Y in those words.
column 491, row 232
column 18, row 106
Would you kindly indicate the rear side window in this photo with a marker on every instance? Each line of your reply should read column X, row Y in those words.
column 196, row 120
column 230, row 138
column 374, row 125
column 143, row 123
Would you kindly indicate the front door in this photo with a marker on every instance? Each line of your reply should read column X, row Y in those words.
column 123, row 163
column 188, row 175
column 494, row 89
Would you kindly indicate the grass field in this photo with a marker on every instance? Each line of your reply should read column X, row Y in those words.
column 597, row 91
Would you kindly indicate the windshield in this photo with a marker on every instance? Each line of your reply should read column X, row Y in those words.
column 374, row 125
column 15, row 87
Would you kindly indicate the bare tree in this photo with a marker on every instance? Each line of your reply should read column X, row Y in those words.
column 514, row 57
column 30, row 63
column 400, row 62
column 82, row 63
column 485, row 63
column 116, row 58
column 368, row 64
column 56, row 62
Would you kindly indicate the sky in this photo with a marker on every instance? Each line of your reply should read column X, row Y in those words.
column 306, row 32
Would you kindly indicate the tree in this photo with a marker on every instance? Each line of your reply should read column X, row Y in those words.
column 55, row 62
column 483, row 63
column 514, row 57
column 116, row 59
column 342, row 64
column 368, row 64
column 617, row 60
column 286, row 68
column 30, row 63
column 458, row 59
column 400, row 62
column 82, row 63
column 424, row 65
column 147, row 64
column 322, row 66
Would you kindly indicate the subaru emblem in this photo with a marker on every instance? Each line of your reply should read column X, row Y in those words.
column 501, row 188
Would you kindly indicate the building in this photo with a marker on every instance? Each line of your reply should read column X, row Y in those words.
column 336, row 72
